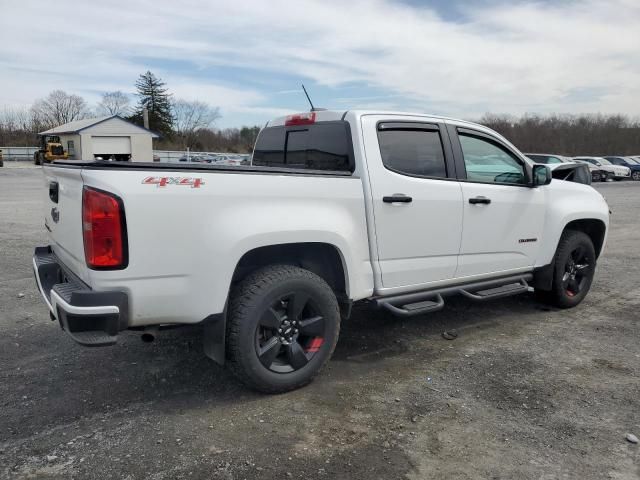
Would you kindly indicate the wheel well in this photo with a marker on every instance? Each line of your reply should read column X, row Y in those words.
column 592, row 227
column 320, row 258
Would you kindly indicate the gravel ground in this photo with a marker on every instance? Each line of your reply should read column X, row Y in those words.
column 524, row 392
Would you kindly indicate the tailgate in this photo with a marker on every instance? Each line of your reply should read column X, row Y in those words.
column 63, row 216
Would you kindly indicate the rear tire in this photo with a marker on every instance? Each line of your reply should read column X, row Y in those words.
column 282, row 328
column 574, row 268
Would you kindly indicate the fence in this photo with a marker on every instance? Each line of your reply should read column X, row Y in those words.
column 18, row 153
column 26, row 154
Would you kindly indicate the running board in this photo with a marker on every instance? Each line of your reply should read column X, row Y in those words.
column 497, row 292
column 417, row 308
column 410, row 304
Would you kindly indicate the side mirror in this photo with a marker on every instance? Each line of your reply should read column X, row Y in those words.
column 541, row 176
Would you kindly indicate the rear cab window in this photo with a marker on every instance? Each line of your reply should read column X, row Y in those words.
column 324, row 146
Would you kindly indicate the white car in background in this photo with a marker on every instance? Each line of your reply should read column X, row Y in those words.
column 616, row 172
column 561, row 169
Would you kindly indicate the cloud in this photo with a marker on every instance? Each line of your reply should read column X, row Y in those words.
column 511, row 57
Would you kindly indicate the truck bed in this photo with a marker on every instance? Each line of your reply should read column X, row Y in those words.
column 189, row 225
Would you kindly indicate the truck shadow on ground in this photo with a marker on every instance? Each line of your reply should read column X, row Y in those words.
column 172, row 374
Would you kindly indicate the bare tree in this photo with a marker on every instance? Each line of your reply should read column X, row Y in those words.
column 59, row 107
column 114, row 103
column 564, row 134
column 191, row 116
column 17, row 126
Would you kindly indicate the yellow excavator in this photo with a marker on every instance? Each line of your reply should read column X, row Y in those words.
column 50, row 149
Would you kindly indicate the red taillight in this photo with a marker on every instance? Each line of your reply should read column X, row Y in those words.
column 102, row 229
column 300, row 119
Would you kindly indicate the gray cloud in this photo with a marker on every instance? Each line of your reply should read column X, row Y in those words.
column 504, row 57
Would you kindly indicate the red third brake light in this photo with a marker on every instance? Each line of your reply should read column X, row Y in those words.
column 300, row 119
column 103, row 230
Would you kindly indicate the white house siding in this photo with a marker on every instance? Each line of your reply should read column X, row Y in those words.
column 141, row 148
column 77, row 152
column 141, row 140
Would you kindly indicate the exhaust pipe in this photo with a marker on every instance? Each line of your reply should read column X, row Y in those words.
column 149, row 334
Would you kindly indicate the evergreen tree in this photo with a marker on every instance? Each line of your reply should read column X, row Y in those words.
column 153, row 96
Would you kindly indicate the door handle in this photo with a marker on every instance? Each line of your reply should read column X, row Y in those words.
column 476, row 200
column 397, row 198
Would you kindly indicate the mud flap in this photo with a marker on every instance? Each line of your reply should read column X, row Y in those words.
column 214, row 336
column 543, row 277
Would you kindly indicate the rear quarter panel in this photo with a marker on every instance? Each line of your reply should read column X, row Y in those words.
column 185, row 242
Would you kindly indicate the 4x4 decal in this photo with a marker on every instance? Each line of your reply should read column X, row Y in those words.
column 164, row 181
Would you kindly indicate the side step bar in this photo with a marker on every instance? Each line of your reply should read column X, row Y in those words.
column 418, row 303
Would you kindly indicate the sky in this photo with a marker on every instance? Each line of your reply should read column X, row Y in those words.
column 249, row 57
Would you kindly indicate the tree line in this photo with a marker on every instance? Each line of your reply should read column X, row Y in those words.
column 189, row 124
column 570, row 135
column 181, row 123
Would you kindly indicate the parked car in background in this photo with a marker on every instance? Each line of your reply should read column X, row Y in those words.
column 198, row 158
column 546, row 159
column 615, row 172
column 629, row 162
column 231, row 160
column 602, row 175
column 563, row 168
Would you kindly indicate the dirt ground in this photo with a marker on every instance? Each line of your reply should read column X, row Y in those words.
column 524, row 392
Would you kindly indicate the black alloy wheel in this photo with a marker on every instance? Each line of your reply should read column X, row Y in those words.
column 290, row 333
column 574, row 267
column 577, row 271
column 283, row 324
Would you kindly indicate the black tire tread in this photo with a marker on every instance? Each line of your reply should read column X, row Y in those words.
column 251, row 287
column 556, row 296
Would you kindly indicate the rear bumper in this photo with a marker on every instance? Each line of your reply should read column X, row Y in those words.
column 90, row 318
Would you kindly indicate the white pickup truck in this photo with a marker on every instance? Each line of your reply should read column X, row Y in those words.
column 395, row 209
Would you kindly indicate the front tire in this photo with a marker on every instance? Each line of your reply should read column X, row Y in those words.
column 282, row 328
column 635, row 175
column 574, row 268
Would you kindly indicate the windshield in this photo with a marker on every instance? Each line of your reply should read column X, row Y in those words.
column 604, row 161
column 632, row 161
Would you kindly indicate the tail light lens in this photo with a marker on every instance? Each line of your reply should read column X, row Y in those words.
column 103, row 229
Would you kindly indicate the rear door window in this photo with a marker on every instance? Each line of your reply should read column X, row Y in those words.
column 322, row 146
column 413, row 152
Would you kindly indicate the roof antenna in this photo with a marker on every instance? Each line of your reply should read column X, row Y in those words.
column 313, row 109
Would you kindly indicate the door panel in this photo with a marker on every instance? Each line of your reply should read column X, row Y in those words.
column 504, row 234
column 418, row 241
column 503, row 217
